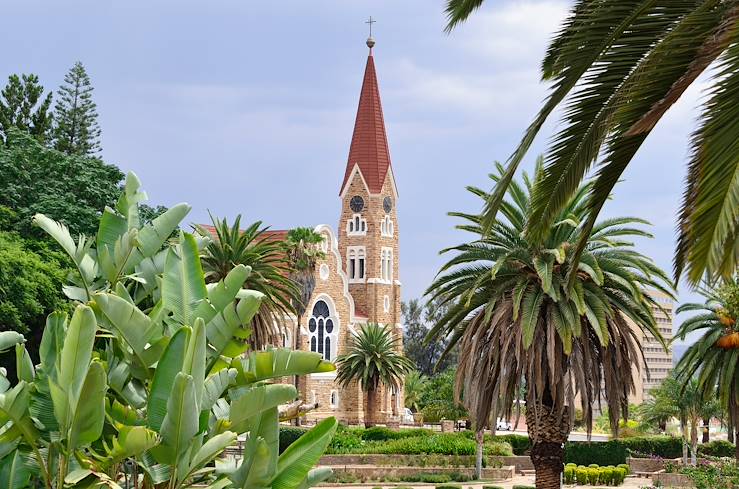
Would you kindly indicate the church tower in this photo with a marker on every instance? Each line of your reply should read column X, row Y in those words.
column 368, row 228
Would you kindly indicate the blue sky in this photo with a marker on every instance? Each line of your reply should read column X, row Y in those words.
column 248, row 107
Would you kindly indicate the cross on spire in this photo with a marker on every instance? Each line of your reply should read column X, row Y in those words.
column 370, row 22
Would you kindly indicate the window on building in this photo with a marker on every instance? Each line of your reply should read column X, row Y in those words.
column 386, row 227
column 334, row 399
column 356, row 225
column 356, row 261
column 286, row 338
column 386, row 264
column 322, row 330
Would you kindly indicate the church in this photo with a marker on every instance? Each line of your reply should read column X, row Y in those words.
column 358, row 280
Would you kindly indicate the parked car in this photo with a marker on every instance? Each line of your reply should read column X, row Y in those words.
column 503, row 425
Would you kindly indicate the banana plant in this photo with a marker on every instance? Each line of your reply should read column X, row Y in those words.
column 150, row 381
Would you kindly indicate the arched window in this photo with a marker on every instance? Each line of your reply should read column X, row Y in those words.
column 386, row 227
column 286, row 338
column 356, row 225
column 323, row 330
column 355, row 266
column 334, row 399
column 386, row 264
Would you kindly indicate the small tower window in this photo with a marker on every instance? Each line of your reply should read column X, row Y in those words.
column 356, row 226
column 355, row 268
column 386, row 264
column 386, row 227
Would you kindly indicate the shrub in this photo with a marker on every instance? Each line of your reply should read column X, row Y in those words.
column 381, row 433
column 523, row 487
column 614, row 452
column 492, row 487
column 606, row 475
column 581, row 475
column 428, row 478
column 717, row 448
column 593, row 474
column 619, row 475
column 449, row 487
column 625, row 467
column 288, row 434
column 569, row 474
column 521, row 444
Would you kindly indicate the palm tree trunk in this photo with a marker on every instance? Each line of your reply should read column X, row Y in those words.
column 684, row 435
column 547, row 452
column 480, row 437
column 694, row 441
column 369, row 416
column 706, row 427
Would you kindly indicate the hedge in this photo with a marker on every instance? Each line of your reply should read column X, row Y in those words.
column 381, row 440
column 717, row 448
column 615, row 452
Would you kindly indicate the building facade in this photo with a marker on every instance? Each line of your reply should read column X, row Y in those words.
column 657, row 363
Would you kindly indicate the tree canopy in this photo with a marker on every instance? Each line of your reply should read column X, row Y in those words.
column 72, row 189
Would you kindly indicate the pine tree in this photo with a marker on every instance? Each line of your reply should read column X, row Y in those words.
column 76, row 130
column 18, row 107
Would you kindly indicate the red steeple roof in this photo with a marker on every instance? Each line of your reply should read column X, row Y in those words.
column 369, row 147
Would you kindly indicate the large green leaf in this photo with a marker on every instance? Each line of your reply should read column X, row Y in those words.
column 180, row 424
column 253, row 401
column 280, row 362
column 210, row 450
column 167, row 369
column 14, row 408
column 183, row 283
column 152, row 236
column 15, row 470
column 131, row 441
column 8, row 339
column 52, row 341
column 23, row 364
column 74, row 363
column 194, row 361
column 89, row 413
column 134, row 327
column 224, row 326
column 302, row 455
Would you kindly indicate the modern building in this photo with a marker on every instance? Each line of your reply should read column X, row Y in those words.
column 358, row 281
column 657, row 363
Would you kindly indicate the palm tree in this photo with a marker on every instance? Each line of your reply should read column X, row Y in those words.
column 413, row 389
column 519, row 322
column 616, row 67
column 256, row 248
column 714, row 363
column 373, row 359
column 684, row 401
column 303, row 253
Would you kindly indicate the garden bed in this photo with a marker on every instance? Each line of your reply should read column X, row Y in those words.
column 519, row 462
column 672, row 480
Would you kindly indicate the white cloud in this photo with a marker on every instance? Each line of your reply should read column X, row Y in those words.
column 516, row 31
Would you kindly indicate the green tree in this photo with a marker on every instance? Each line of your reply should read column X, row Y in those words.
column 373, row 359
column 415, row 384
column 71, row 189
column 418, row 319
column 303, row 253
column 255, row 248
column 616, row 67
column 518, row 319
column 716, row 367
column 76, row 130
column 30, row 289
column 22, row 107
column 438, row 400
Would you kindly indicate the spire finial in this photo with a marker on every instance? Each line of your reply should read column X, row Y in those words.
column 370, row 39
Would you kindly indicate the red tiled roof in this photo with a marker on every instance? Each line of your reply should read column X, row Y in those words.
column 369, row 147
column 269, row 235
